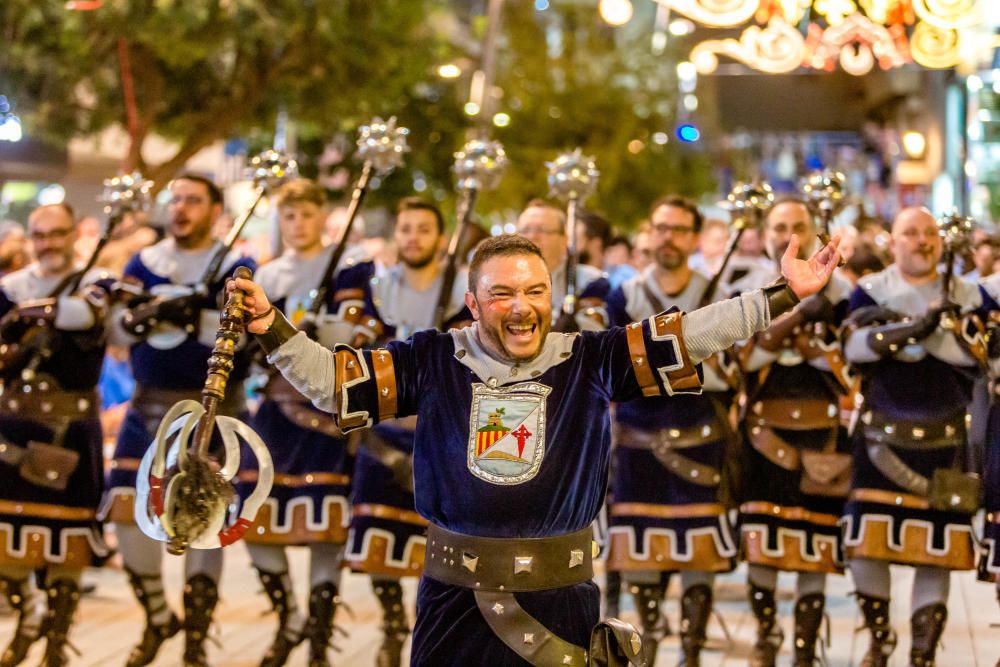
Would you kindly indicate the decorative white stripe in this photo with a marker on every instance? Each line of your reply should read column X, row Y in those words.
column 325, row 513
column 990, row 556
column 109, row 499
column 721, row 535
column 64, row 534
column 888, row 520
column 800, row 535
column 361, row 556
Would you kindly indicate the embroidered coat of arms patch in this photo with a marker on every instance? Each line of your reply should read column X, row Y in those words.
column 507, row 432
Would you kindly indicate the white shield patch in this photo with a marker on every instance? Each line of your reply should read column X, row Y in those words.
column 507, row 432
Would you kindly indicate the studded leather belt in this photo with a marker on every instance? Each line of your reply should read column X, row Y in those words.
column 664, row 443
column 508, row 564
column 495, row 568
column 153, row 402
column 794, row 415
column 913, row 435
column 43, row 404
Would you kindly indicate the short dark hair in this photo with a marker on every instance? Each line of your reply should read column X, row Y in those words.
column 214, row 191
column 596, row 226
column 684, row 203
column 505, row 245
column 864, row 261
column 620, row 239
column 418, row 204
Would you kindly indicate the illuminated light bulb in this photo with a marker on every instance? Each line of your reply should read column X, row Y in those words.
column 914, row 144
column 615, row 12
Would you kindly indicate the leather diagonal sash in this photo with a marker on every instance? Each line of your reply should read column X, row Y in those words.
column 524, row 634
column 895, row 469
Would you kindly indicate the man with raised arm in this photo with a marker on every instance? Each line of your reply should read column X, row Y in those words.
column 513, row 440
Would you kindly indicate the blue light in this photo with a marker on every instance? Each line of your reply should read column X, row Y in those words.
column 688, row 133
column 541, row 5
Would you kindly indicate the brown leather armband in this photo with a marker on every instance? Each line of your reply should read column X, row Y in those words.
column 385, row 382
column 780, row 298
column 640, row 360
column 280, row 331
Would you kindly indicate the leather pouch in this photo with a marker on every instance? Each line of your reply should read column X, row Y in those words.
column 48, row 465
column 952, row 490
column 615, row 643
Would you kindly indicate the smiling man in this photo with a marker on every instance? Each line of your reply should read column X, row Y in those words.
column 513, row 441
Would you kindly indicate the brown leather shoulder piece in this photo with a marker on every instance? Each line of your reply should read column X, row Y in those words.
column 349, row 369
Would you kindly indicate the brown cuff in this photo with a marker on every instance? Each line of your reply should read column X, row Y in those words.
column 38, row 312
column 280, row 331
column 780, row 298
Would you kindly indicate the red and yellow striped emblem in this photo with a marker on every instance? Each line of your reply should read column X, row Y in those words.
column 485, row 438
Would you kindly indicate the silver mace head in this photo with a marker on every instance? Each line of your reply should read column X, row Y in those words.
column 956, row 230
column 271, row 168
column 383, row 144
column 479, row 165
column 126, row 192
column 572, row 176
column 747, row 202
column 825, row 189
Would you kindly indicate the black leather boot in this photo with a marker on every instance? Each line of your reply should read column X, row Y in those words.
column 323, row 601
column 647, row 604
column 769, row 634
column 926, row 628
column 883, row 639
column 279, row 592
column 612, row 593
column 395, row 627
column 808, row 618
column 64, row 596
column 29, row 625
column 696, row 606
column 201, row 594
column 153, row 635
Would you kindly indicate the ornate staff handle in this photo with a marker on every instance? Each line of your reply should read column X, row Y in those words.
column 220, row 363
column 956, row 234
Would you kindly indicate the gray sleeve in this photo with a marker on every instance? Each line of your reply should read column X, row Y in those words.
column 857, row 350
column 717, row 326
column 309, row 367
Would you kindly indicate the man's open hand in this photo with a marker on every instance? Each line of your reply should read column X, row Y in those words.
column 806, row 277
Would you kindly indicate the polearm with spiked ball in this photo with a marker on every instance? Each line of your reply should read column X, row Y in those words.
column 572, row 178
column 478, row 166
column 268, row 170
column 381, row 146
column 748, row 202
column 122, row 194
